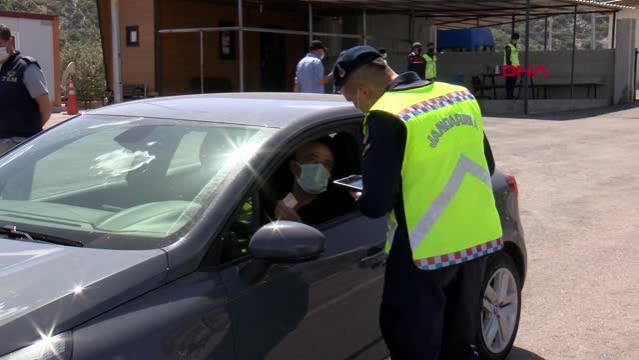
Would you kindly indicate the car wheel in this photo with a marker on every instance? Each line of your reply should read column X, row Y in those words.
column 501, row 307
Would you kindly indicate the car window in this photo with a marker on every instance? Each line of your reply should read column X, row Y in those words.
column 104, row 180
column 80, row 162
column 187, row 152
column 250, row 215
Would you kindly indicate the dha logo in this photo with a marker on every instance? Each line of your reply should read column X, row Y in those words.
column 516, row 70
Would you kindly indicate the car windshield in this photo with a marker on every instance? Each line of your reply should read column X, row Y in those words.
column 121, row 182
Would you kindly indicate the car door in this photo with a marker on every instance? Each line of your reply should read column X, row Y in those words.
column 326, row 308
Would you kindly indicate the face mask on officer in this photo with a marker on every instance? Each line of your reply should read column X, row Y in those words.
column 363, row 100
column 313, row 178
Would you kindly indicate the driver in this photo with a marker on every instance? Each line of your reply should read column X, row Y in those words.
column 313, row 199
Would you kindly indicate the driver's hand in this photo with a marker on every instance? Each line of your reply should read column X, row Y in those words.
column 356, row 195
column 283, row 212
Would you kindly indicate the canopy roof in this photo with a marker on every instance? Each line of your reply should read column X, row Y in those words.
column 451, row 14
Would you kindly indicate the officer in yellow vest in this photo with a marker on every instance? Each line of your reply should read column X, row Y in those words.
column 426, row 166
column 431, row 62
column 384, row 54
column 511, row 57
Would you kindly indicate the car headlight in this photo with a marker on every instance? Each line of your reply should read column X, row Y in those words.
column 48, row 348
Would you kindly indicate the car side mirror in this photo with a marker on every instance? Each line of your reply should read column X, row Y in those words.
column 286, row 242
column 281, row 242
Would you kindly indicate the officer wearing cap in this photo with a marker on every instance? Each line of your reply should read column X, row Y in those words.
column 309, row 74
column 431, row 62
column 416, row 62
column 426, row 166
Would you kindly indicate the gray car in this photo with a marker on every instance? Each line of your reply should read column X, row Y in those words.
column 144, row 231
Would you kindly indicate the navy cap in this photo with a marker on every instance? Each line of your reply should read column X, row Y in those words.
column 350, row 60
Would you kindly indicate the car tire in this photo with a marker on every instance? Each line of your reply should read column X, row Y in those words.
column 501, row 307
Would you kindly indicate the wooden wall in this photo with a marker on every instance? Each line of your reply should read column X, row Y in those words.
column 178, row 55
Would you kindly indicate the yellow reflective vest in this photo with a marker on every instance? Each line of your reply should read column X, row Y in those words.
column 514, row 55
column 431, row 66
column 447, row 193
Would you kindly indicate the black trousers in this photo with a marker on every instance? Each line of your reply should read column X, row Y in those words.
column 440, row 318
column 511, row 81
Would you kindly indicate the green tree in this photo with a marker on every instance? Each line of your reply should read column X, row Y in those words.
column 89, row 80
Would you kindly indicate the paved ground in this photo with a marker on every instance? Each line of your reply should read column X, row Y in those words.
column 579, row 184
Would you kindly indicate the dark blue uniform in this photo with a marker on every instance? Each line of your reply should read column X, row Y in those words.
column 19, row 112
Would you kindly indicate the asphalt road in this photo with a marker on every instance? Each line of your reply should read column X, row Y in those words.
column 579, row 203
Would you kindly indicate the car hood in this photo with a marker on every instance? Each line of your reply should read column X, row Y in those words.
column 46, row 288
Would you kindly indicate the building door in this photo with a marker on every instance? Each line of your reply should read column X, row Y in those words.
column 273, row 62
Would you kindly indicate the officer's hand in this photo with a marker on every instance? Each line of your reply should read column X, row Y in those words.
column 283, row 212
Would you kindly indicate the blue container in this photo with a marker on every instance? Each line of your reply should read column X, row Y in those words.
column 472, row 39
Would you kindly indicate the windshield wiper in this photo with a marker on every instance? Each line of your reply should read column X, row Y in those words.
column 13, row 231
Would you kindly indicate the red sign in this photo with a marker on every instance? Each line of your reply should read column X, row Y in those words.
column 516, row 70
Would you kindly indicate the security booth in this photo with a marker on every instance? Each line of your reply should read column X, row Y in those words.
column 176, row 47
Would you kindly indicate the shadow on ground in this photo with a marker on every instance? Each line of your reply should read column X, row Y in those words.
column 521, row 354
column 570, row 115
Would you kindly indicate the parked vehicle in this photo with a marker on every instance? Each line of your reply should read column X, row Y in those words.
column 141, row 230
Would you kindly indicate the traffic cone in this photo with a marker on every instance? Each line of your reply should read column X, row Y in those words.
column 72, row 101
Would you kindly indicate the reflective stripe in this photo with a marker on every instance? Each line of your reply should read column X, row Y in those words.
column 458, row 257
column 432, row 214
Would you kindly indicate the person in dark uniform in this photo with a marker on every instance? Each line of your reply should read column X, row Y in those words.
column 426, row 165
column 24, row 98
column 511, row 58
column 416, row 62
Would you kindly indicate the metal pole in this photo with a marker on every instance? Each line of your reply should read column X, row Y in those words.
column 364, row 27
column 574, row 46
column 240, row 23
column 512, row 26
column 411, row 27
column 550, row 27
column 546, row 33
column 614, row 27
column 201, row 62
column 593, row 19
column 526, row 56
column 115, row 43
column 310, row 23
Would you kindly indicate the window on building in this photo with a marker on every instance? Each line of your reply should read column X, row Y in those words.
column 133, row 36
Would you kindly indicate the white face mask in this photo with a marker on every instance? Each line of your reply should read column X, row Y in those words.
column 358, row 103
column 313, row 178
column 322, row 56
column 4, row 54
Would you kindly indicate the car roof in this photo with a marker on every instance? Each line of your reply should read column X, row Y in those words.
column 276, row 110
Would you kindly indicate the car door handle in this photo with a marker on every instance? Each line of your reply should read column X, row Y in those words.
column 374, row 260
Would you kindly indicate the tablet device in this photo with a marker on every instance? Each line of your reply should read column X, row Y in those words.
column 353, row 182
